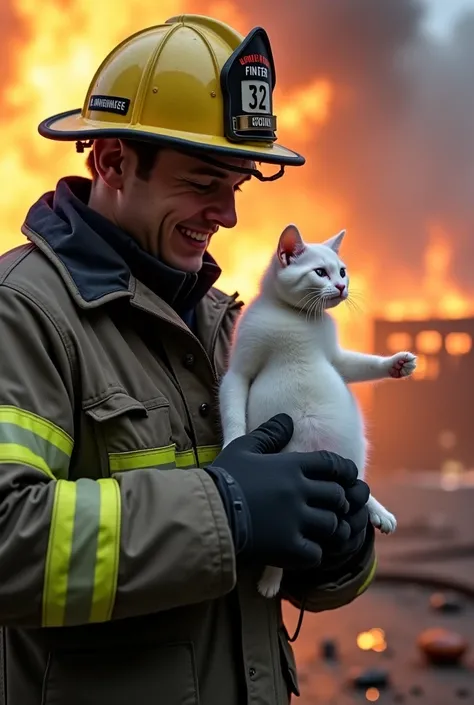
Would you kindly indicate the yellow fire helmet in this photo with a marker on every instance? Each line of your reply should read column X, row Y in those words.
column 193, row 84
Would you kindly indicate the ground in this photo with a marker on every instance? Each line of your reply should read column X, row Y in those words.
column 434, row 542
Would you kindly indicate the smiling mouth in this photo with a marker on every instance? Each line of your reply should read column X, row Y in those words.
column 194, row 234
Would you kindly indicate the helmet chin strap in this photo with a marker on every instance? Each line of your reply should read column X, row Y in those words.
column 241, row 169
column 82, row 145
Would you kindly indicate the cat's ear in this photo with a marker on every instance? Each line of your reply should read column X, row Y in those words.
column 290, row 244
column 335, row 242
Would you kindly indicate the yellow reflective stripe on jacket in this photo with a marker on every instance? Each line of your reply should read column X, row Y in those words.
column 83, row 553
column 13, row 453
column 369, row 578
column 185, row 459
column 165, row 458
column 206, row 454
column 139, row 459
column 29, row 439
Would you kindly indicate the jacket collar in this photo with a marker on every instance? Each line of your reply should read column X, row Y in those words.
column 96, row 258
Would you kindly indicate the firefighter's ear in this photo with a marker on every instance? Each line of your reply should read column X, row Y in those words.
column 109, row 161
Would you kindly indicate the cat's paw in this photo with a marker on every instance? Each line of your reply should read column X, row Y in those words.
column 269, row 583
column 268, row 588
column 401, row 364
column 383, row 520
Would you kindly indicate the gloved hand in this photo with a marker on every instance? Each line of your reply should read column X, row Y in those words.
column 337, row 550
column 282, row 506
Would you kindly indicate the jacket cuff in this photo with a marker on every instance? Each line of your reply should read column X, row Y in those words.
column 235, row 506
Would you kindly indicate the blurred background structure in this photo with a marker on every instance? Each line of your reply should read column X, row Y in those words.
column 379, row 96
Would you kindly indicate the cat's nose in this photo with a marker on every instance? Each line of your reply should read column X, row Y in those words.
column 340, row 287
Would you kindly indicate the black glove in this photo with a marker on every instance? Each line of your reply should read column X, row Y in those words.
column 281, row 506
column 337, row 550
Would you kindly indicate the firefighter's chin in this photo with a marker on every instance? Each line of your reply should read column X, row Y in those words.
column 186, row 248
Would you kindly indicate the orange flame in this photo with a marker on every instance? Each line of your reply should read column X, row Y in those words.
column 52, row 74
column 53, row 71
column 438, row 296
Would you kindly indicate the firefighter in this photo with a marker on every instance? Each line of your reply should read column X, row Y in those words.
column 131, row 544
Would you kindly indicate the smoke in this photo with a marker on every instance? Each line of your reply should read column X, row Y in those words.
column 398, row 150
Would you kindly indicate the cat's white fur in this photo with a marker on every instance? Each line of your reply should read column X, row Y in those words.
column 285, row 357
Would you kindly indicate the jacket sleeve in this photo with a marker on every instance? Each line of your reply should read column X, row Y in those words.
column 75, row 552
column 329, row 589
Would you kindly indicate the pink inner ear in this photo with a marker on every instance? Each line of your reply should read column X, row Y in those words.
column 290, row 245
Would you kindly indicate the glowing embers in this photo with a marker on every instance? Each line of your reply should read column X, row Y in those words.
column 372, row 640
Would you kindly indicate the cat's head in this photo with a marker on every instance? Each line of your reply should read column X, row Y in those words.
column 310, row 276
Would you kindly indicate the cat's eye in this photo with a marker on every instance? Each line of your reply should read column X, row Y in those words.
column 321, row 272
column 342, row 272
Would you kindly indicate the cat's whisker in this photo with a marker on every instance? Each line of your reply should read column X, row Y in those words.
column 304, row 303
column 315, row 304
column 319, row 306
column 354, row 306
column 309, row 310
column 357, row 297
column 307, row 298
column 356, row 294
column 308, row 295
column 358, row 300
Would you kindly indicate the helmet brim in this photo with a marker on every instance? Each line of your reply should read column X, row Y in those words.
column 71, row 126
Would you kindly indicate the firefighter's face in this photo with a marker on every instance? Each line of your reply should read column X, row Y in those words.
column 175, row 212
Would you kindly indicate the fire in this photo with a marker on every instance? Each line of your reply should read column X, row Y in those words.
column 438, row 296
column 306, row 109
column 372, row 640
column 51, row 74
column 53, row 71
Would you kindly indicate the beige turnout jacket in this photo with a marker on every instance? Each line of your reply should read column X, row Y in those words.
column 118, row 580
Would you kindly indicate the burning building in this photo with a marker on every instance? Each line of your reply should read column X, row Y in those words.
column 423, row 423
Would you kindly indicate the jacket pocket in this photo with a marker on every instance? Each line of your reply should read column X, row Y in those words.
column 131, row 434
column 288, row 663
column 164, row 675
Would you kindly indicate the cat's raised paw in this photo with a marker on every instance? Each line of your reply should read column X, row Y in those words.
column 383, row 520
column 401, row 364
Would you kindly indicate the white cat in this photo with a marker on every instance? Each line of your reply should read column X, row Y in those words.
column 285, row 358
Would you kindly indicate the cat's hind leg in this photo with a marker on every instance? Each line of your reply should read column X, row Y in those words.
column 380, row 517
column 269, row 583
